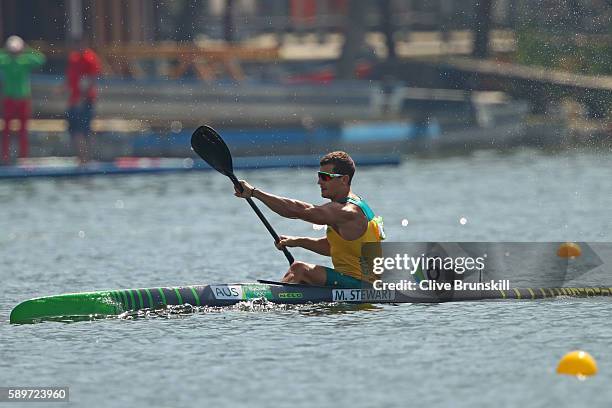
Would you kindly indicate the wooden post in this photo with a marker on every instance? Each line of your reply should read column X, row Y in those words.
column 115, row 21
column 135, row 21
column 386, row 11
column 354, row 35
column 75, row 20
column 482, row 29
column 99, row 16
column 228, row 22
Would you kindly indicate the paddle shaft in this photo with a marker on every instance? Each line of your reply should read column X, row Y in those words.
column 262, row 218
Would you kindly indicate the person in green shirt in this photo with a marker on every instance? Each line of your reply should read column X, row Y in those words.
column 16, row 63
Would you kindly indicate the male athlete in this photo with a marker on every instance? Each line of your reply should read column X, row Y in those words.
column 350, row 223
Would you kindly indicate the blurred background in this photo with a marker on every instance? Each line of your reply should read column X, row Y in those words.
column 300, row 77
column 498, row 110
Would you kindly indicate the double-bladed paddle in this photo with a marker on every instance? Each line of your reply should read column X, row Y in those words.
column 209, row 145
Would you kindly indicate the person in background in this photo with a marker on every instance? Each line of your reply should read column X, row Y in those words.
column 82, row 74
column 16, row 63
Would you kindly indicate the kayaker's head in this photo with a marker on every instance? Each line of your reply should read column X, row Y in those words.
column 14, row 44
column 335, row 175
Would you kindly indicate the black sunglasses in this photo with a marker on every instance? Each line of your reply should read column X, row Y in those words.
column 325, row 176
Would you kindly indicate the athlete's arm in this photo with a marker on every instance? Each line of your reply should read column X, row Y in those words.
column 318, row 245
column 327, row 214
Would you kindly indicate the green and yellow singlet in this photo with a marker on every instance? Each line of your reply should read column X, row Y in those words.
column 347, row 255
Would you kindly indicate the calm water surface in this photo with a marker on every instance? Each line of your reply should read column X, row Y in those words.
column 75, row 235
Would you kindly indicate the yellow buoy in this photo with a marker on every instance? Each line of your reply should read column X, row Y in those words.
column 569, row 250
column 579, row 363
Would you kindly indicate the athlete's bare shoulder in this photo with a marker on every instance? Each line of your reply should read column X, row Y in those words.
column 341, row 212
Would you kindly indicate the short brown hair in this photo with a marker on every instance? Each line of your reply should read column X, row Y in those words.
column 343, row 164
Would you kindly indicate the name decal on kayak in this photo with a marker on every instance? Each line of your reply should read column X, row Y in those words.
column 290, row 295
column 362, row 295
column 227, row 292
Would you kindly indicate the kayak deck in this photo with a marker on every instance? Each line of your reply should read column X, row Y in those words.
column 79, row 306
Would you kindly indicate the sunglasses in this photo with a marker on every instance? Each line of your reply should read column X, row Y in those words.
column 325, row 176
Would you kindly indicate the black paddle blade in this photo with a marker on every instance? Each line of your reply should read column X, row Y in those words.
column 207, row 143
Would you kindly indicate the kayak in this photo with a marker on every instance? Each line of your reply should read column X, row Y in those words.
column 101, row 304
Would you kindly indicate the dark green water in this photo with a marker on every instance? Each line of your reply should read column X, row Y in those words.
column 61, row 236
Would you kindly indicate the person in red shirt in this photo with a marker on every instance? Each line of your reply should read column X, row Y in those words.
column 81, row 77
